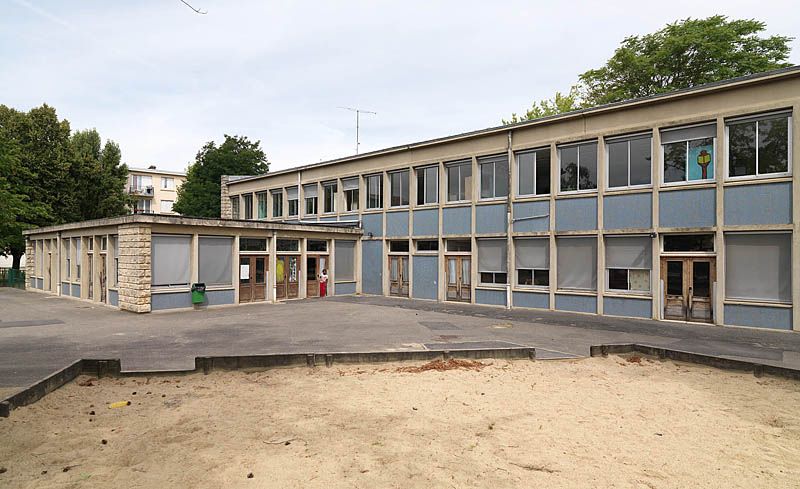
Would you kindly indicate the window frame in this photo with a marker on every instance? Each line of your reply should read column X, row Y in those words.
column 607, row 270
column 348, row 194
column 757, row 118
column 494, row 274
column 756, row 300
column 686, row 181
column 236, row 207
column 325, row 196
column 459, row 164
column 627, row 140
column 535, row 153
column 492, row 160
column 421, row 173
column 289, row 202
column 367, row 187
column 161, row 206
column 248, row 208
column 408, row 190
column 279, row 194
column 314, row 201
column 164, row 181
column 426, row 252
column 532, row 286
column 577, row 145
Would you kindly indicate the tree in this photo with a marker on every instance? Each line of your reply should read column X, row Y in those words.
column 199, row 195
column 557, row 105
column 683, row 54
column 98, row 177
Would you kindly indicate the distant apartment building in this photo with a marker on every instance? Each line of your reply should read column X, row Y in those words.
column 155, row 190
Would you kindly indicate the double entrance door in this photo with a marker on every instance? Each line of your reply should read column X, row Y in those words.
column 398, row 275
column 287, row 269
column 314, row 266
column 459, row 275
column 253, row 278
column 688, row 283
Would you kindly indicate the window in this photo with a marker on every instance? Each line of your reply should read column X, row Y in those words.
column 90, row 241
column 628, row 263
column 317, row 245
column 143, row 206
column 252, row 244
column 247, row 203
column 533, row 172
column 492, row 257
column 399, row 188
column 277, row 203
column 689, row 242
column 398, row 246
column 350, row 188
column 428, row 185
column 261, row 203
column 329, row 196
column 345, row 265
column 235, row 207
column 78, row 257
column 758, row 145
column 141, row 182
column 170, row 260
column 629, row 161
column 758, row 266
column 311, row 196
column 68, row 258
column 167, row 183
column 166, row 206
column 459, row 245
column 424, row 245
column 215, row 258
column 688, row 153
column 459, row 181
column 578, row 167
column 292, row 198
column 115, row 261
column 374, row 191
column 287, row 245
column 104, row 243
column 494, row 176
column 577, row 263
column 532, row 261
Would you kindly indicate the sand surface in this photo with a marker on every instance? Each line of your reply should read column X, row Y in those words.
column 584, row 423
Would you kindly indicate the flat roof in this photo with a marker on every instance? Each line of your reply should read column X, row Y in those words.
column 156, row 171
column 346, row 227
column 753, row 79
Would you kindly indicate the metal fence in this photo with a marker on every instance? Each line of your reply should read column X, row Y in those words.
column 10, row 277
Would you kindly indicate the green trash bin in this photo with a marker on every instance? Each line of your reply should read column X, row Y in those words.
column 198, row 293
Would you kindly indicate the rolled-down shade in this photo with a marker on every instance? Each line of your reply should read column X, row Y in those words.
column 577, row 263
column 350, row 184
column 170, row 260
column 310, row 190
column 532, row 253
column 215, row 258
column 758, row 266
column 345, row 264
column 492, row 255
column 629, row 252
column 687, row 133
column 291, row 193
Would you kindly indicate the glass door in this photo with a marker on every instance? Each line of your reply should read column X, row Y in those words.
column 688, row 288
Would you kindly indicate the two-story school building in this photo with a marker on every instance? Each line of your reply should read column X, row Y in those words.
column 678, row 206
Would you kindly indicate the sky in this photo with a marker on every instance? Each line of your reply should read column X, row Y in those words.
column 161, row 80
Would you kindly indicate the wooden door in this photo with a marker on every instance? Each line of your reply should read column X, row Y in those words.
column 103, row 282
column 459, row 278
column 398, row 275
column 312, row 276
column 688, row 287
column 286, row 276
column 245, row 279
column 259, row 286
column 252, row 278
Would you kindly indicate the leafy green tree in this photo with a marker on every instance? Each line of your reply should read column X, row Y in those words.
column 98, row 177
column 237, row 155
column 557, row 105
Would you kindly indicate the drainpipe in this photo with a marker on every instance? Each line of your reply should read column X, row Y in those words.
column 509, row 223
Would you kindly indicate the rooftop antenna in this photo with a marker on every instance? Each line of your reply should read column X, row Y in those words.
column 358, row 116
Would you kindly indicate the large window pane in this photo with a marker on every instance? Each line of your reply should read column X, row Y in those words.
column 487, row 181
column 773, row 145
column 277, row 204
column 526, row 173
column 170, row 260
column 345, row 263
column 501, row 178
column 577, row 263
column 427, row 185
column 675, row 162
column 569, row 168
column 261, row 199
column 758, row 267
column 215, row 256
column 587, row 155
column 459, row 181
column 374, row 191
column 700, row 159
column 543, row 172
column 640, row 158
column 742, row 147
column 618, row 164
column 399, row 188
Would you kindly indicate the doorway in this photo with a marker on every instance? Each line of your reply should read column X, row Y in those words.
column 314, row 266
column 398, row 275
column 103, row 281
column 286, row 274
column 688, row 288
column 459, row 274
column 253, row 278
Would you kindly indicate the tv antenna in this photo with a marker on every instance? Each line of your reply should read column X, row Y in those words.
column 358, row 123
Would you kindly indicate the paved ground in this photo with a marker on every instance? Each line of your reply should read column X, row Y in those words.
column 40, row 333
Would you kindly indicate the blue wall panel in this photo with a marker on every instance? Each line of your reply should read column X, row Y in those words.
column 40, row 283
column 457, row 220
column 620, row 306
column 76, row 290
column 328, row 219
column 759, row 204
column 538, row 300
column 373, row 223
column 758, row 316
column 113, row 297
column 426, row 277
column 183, row 299
column 491, row 219
column 491, row 297
column 687, row 208
column 397, row 223
column 346, row 288
column 576, row 303
column 426, row 222
column 348, row 217
column 371, row 267
column 530, row 209
column 628, row 211
column 65, row 288
column 578, row 214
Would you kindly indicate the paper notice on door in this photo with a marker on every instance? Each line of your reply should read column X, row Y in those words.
column 244, row 272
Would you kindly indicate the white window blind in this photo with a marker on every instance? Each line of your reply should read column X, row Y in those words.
column 492, row 256
column 215, row 260
column 629, row 252
column 170, row 260
column 688, row 133
column 532, row 253
column 577, row 263
column 350, row 183
column 310, row 191
column 291, row 193
column 758, row 266
column 345, row 266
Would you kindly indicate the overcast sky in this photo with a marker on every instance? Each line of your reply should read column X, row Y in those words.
column 161, row 80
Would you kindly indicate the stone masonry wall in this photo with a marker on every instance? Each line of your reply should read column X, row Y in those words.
column 225, row 211
column 30, row 262
column 134, row 267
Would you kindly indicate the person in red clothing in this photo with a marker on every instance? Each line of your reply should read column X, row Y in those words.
column 323, row 283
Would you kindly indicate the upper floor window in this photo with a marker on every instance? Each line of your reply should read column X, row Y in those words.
column 277, row 203
column 166, row 206
column 459, row 181
column 234, row 207
column 167, row 183
column 428, row 185
column 141, row 182
column 399, row 188
column 329, row 196
column 629, row 161
column 759, row 145
column 310, row 192
column 374, row 191
column 350, row 188
column 247, row 202
column 494, row 176
column 292, row 200
column 261, row 203
column 578, row 165
column 688, row 153
column 533, row 172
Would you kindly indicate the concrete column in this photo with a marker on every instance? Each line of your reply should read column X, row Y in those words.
column 235, row 269
column 602, row 167
column 555, row 182
column 302, row 289
column 720, row 161
column 224, row 198
column 273, row 265
column 441, row 294
column 96, row 265
column 655, row 269
column 134, row 267
column 476, row 194
column 795, row 132
column 510, row 260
